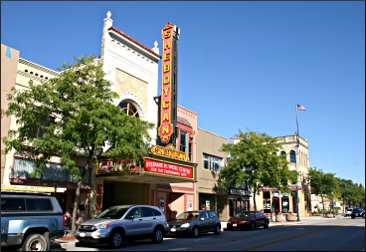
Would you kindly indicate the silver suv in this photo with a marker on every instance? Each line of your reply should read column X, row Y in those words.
column 30, row 220
column 119, row 222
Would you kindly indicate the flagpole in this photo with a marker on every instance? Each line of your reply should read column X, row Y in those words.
column 297, row 148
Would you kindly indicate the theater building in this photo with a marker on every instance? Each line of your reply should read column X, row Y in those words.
column 166, row 179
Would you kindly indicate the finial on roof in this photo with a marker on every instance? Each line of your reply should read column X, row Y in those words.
column 155, row 44
column 109, row 14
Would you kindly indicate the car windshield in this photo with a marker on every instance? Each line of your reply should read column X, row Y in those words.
column 113, row 213
column 244, row 214
column 188, row 216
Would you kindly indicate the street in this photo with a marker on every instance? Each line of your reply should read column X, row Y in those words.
column 315, row 233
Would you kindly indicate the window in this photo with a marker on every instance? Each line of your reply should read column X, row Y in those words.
column 113, row 213
column 292, row 156
column 135, row 213
column 39, row 205
column 212, row 163
column 12, row 204
column 183, row 141
column 156, row 212
column 190, row 150
column 203, row 215
column 129, row 108
column 283, row 154
column 147, row 212
column 212, row 214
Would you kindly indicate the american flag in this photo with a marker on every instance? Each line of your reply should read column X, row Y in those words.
column 300, row 107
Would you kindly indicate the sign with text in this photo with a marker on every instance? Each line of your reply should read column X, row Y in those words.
column 168, row 169
column 162, row 151
column 168, row 104
column 117, row 166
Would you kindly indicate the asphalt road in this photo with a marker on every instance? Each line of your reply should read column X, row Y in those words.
column 314, row 234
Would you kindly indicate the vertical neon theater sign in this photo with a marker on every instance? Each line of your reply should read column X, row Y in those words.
column 168, row 102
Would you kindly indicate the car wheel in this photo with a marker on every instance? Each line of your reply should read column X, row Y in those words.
column 35, row 242
column 157, row 235
column 352, row 216
column 252, row 226
column 195, row 232
column 266, row 224
column 217, row 229
column 116, row 239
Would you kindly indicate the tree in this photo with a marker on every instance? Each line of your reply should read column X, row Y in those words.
column 254, row 161
column 77, row 118
column 323, row 184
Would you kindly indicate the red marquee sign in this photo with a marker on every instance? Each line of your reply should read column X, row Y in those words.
column 166, row 125
column 168, row 169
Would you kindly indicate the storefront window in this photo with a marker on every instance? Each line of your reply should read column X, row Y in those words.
column 267, row 202
column 285, row 204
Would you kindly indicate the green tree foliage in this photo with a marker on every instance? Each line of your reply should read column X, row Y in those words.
column 351, row 194
column 73, row 116
column 323, row 184
column 254, row 161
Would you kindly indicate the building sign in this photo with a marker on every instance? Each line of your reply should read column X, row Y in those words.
column 161, row 151
column 168, row 101
column 159, row 167
column 117, row 166
column 236, row 191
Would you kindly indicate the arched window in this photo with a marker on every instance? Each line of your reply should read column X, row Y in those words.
column 129, row 107
column 283, row 154
column 292, row 156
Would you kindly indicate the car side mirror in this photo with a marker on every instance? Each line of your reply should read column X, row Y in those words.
column 130, row 217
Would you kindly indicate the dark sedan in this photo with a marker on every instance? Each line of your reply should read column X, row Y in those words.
column 248, row 219
column 194, row 223
column 357, row 212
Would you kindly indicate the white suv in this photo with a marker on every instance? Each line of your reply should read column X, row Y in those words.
column 118, row 222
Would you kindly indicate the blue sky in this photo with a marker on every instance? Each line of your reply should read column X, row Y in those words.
column 242, row 65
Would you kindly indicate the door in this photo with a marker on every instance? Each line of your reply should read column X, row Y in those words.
column 204, row 222
column 260, row 219
column 134, row 222
column 148, row 220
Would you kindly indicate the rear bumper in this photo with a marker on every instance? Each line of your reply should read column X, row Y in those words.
column 230, row 226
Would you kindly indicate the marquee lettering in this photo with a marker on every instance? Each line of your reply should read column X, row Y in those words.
column 166, row 126
column 162, row 151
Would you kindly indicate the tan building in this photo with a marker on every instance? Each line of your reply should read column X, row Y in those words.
column 270, row 199
column 16, row 171
column 210, row 160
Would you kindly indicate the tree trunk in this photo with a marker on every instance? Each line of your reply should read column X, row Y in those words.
column 75, row 208
column 93, row 186
column 254, row 201
column 323, row 204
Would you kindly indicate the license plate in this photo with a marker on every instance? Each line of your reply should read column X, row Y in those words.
column 82, row 234
column 173, row 230
column 234, row 225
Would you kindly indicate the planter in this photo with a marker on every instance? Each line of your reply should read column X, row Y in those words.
column 329, row 215
column 291, row 217
column 279, row 218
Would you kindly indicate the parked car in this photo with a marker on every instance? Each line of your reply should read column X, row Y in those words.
column 195, row 223
column 118, row 223
column 357, row 212
column 248, row 219
column 30, row 220
column 348, row 211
